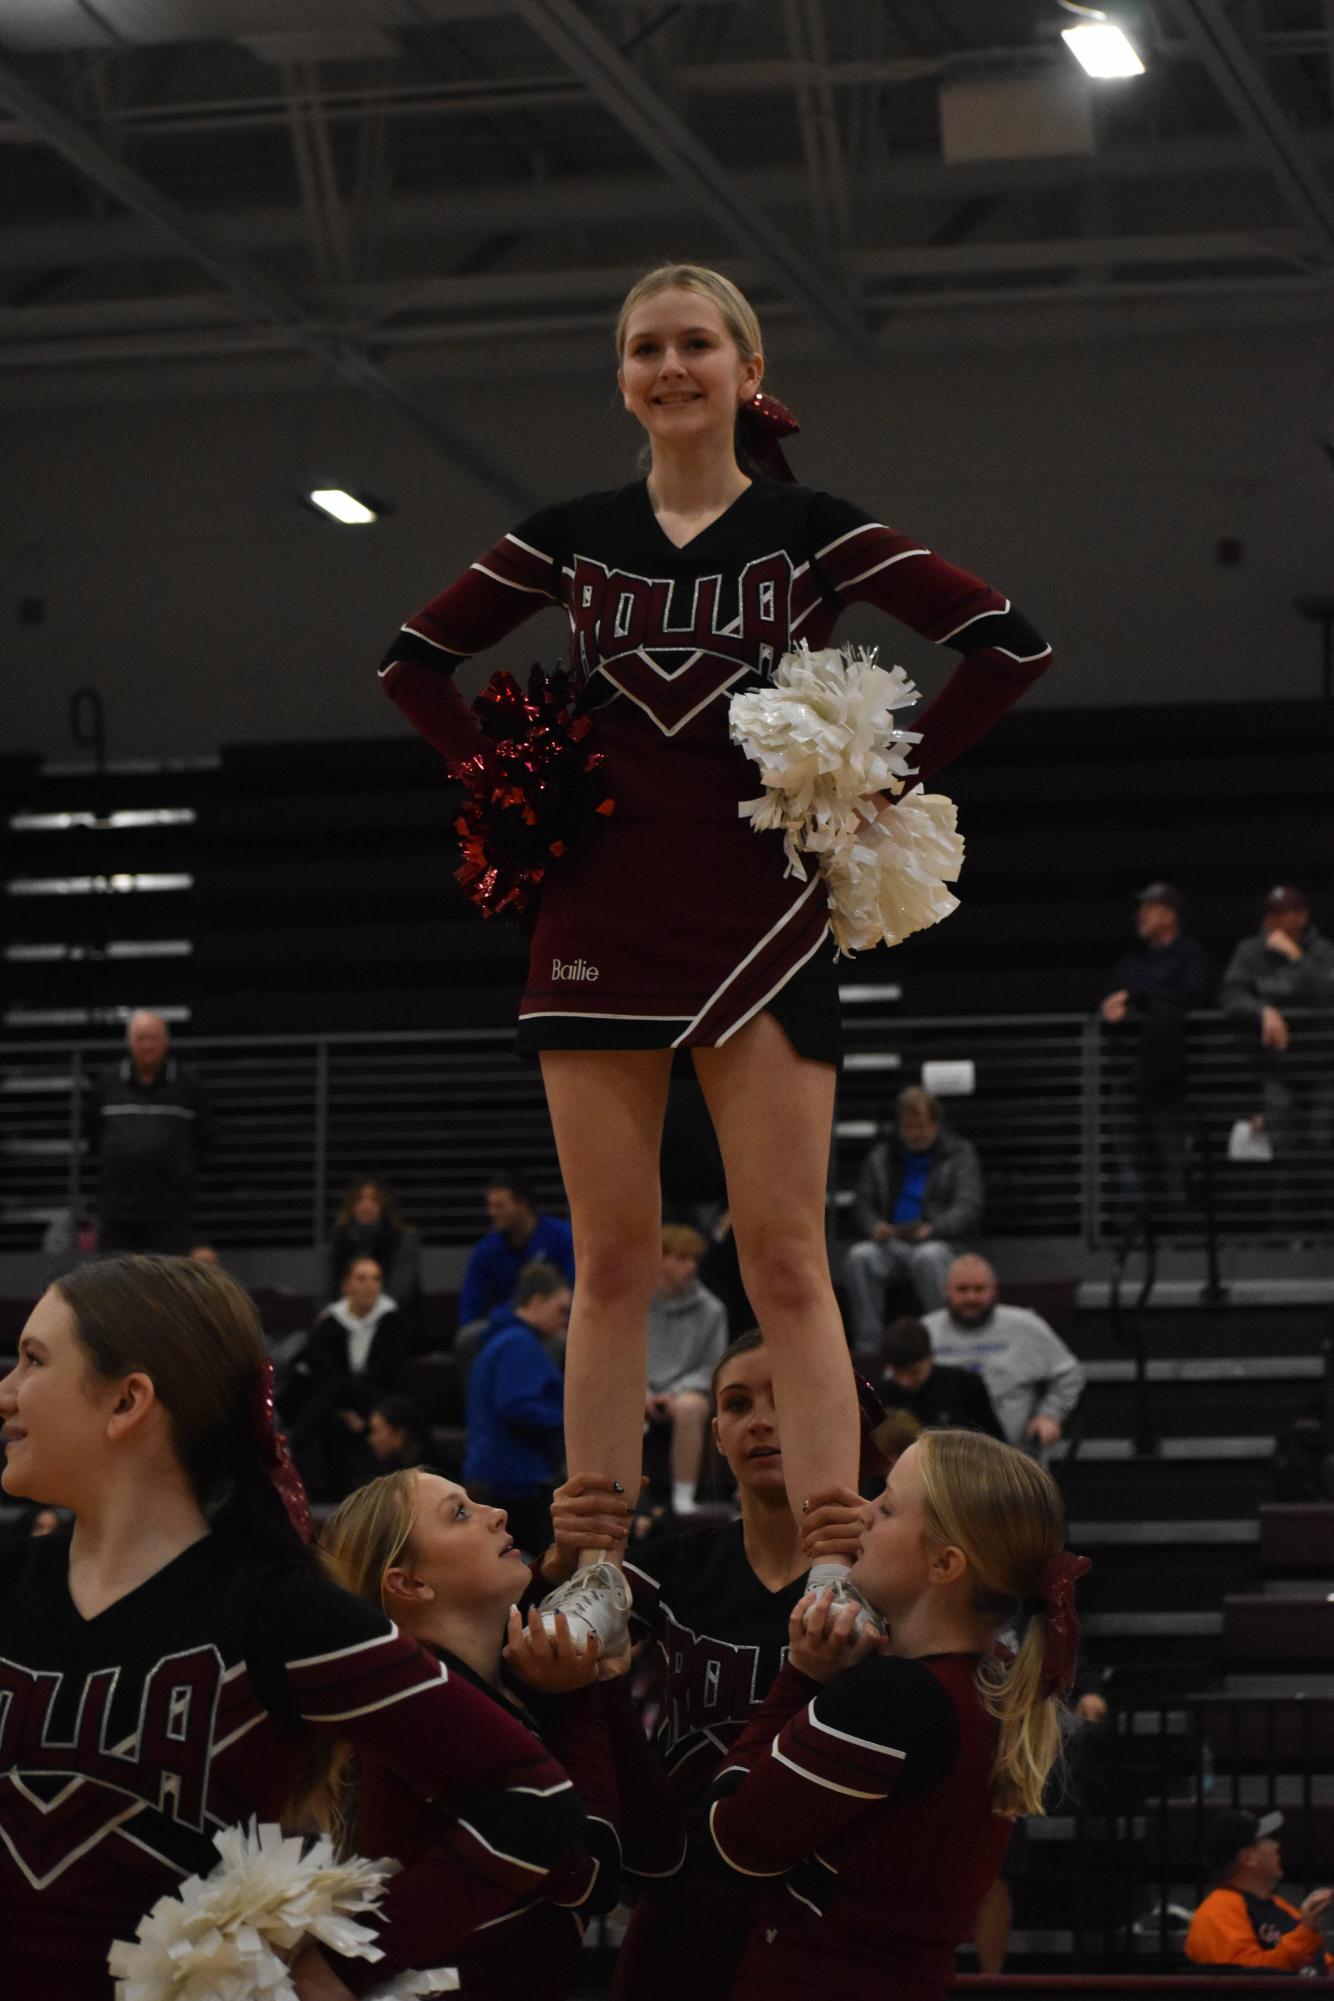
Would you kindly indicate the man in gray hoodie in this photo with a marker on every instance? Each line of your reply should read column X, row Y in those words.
column 687, row 1333
column 1290, row 966
column 1032, row 1378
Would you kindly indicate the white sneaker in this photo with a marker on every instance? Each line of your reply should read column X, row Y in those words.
column 596, row 1599
column 835, row 1577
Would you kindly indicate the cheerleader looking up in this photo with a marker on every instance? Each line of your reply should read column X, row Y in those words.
column 716, row 1602
column 446, row 1570
column 671, row 923
column 877, row 1789
column 172, row 1665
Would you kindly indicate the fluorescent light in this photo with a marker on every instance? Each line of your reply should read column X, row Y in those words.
column 60, row 823
column 1103, row 50
column 94, row 885
column 342, row 506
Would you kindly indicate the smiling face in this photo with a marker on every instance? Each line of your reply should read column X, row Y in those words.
column 460, row 1555
column 54, row 1411
column 682, row 374
column 745, row 1429
column 897, row 1562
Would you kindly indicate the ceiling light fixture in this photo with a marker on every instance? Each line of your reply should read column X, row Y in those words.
column 342, row 506
column 1098, row 45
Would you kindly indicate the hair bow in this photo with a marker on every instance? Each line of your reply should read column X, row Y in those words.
column 275, row 1454
column 761, row 423
column 1055, row 1600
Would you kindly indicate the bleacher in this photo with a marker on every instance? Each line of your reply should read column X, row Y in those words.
column 314, row 893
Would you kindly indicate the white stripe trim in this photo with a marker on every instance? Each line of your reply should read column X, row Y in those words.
column 849, row 1792
column 720, row 689
column 766, row 1874
column 867, row 528
column 529, row 590
column 888, row 564
column 846, row 1737
column 346, row 1653
column 760, row 1005
column 1024, row 659
column 574, row 1014
column 804, row 1900
column 999, row 612
column 545, row 1793
column 346, row 1715
column 660, row 1875
column 533, row 1868
column 529, row 550
column 438, row 644
column 816, row 882
column 507, row 1917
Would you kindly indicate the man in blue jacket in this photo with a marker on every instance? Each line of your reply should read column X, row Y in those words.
column 518, row 1236
column 514, row 1409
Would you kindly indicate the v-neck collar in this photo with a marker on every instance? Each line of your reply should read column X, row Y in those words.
column 683, row 548
column 135, row 1592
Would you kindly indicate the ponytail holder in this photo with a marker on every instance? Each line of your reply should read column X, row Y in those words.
column 274, row 1453
column 760, row 425
column 1055, row 1600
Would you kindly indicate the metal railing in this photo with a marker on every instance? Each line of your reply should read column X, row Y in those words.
column 1142, row 1788
column 1065, row 1144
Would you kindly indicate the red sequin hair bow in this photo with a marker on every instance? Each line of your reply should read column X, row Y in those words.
column 1055, row 1600
column 275, row 1454
column 760, row 425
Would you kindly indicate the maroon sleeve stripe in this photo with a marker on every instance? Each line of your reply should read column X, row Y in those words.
column 519, row 565
column 356, row 1681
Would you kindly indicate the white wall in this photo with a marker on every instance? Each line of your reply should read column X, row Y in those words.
column 1091, row 483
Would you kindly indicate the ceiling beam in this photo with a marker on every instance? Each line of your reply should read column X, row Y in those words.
column 1246, row 92
column 262, row 300
column 695, row 171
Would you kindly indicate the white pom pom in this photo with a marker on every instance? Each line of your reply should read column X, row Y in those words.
column 825, row 738
column 227, row 1936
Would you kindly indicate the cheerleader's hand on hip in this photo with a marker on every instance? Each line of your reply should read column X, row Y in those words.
column 315, row 1980
column 823, row 1640
column 551, row 1663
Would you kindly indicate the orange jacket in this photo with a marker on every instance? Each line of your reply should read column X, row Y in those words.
column 1222, row 1933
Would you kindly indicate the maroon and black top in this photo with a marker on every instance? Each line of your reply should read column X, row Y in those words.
column 127, row 1740
column 673, row 923
column 862, row 1808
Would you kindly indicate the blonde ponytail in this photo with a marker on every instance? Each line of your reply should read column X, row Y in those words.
column 1005, row 1513
column 366, row 1535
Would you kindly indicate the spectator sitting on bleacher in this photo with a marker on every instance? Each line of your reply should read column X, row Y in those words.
column 515, row 1407
column 1032, row 1378
column 934, row 1392
column 1241, row 1922
column 394, row 1434
column 687, row 1334
column 356, row 1352
column 369, row 1225
column 518, row 1236
column 919, row 1197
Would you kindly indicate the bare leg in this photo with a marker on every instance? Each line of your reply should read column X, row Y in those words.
column 773, row 1112
column 606, row 1112
column 991, row 1932
column 690, row 1420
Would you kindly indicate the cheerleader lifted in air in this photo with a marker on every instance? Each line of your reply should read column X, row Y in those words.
column 672, row 923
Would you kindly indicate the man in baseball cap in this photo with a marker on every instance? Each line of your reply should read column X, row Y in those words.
column 1241, row 1922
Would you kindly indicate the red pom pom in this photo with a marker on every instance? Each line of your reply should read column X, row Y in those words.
column 526, row 791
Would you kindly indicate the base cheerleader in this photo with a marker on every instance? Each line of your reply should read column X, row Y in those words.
column 170, row 1666
column 873, row 1798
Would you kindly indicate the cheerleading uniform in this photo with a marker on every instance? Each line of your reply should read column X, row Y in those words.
column 129, row 1739
column 721, row 1637
column 862, row 1807
column 531, row 1952
column 672, row 922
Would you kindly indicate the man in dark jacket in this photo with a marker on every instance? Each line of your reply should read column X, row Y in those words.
column 919, row 1200
column 149, row 1124
column 1157, row 982
column 1289, row 966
